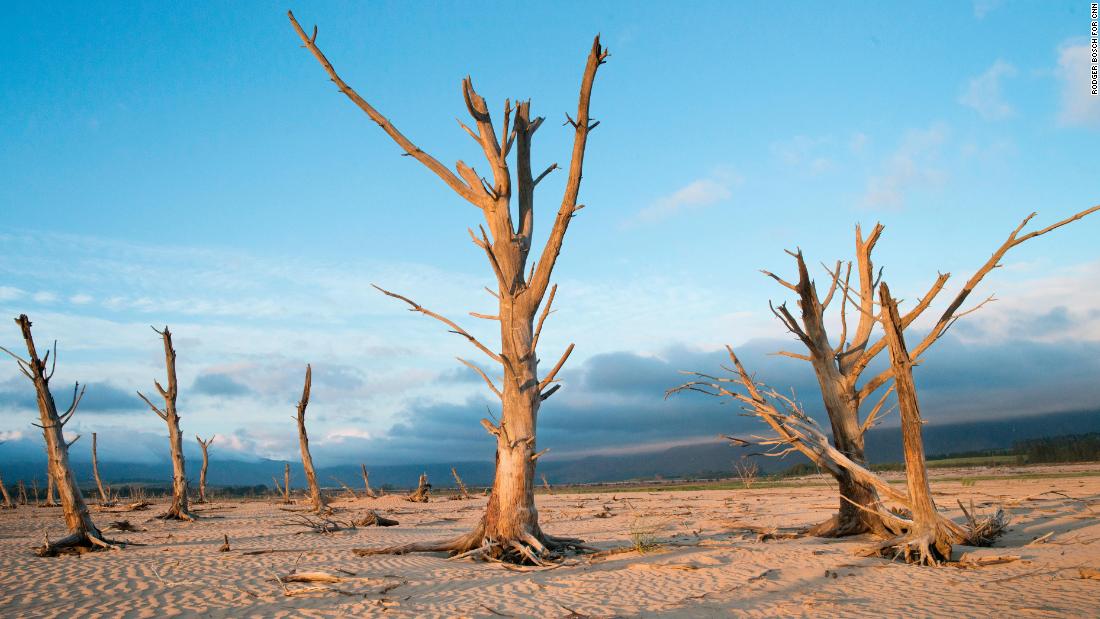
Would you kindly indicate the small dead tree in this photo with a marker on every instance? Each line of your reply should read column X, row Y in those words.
column 509, row 529
column 839, row 363
column 105, row 499
column 317, row 500
column 205, row 445
column 22, row 492
column 8, row 503
column 179, row 510
column 83, row 534
column 797, row 432
column 462, row 491
column 422, row 492
column 366, row 482
column 285, row 489
column 51, row 493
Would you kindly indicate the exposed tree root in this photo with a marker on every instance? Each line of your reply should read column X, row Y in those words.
column 77, row 543
column 531, row 548
column 177, row 512
column 374, row 519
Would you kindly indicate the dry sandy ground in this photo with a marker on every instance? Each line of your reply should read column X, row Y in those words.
column 707, row 564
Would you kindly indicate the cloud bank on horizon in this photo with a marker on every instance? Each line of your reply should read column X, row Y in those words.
column 238, row 201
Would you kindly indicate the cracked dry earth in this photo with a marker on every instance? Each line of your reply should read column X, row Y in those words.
column 704, row 558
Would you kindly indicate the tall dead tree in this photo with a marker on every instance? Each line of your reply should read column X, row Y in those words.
column 83, row 534
column 104, row 495
column 317, row 500
column 510, row 528
column 839, row 363
column 179, row 510
column 205, row 445
column 366, row 482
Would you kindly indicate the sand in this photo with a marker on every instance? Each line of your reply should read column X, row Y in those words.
column 704, row 561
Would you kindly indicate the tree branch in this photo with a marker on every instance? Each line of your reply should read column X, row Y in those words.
column 416, row 307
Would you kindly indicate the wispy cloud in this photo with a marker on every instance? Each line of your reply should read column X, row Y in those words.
column 1078, row 107
column 983, row 93
column 700, row 193
column 982, row 8
column 914, row 163
column 803, row 153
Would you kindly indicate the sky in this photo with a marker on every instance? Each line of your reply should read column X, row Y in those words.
column 192, row 166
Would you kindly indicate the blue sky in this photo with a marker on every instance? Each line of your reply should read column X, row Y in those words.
column 192, row 166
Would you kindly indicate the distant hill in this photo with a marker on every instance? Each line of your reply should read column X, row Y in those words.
column 705, row 459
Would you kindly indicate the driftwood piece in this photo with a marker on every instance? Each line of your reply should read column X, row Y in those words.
column 463, row 493
column 374, row 519
column 422, row 492
column 509, row 529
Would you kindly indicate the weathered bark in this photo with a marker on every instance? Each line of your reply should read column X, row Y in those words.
column 317, row 500
column 8, row 503
column 366, row 482
column 929, row 539
column 51, row 494
column 83, row 534
column 104, row 496
column 509, row 528
column 205, row 445
column 374, row 519
column 422, row 492
column 179, row 509
column 839, row 368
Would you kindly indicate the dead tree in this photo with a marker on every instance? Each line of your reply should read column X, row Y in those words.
column 422, row 492
column 83, row 534
column 8, row 503
column 51, row 501
column 179, row 510
column 366, row 482
column 463, row 493
column 317, row 499
column 104, row 496
column 796, row 431
column 205, row 445
column 839, row 363
column 509, row 529
column 22, row 492
column 285, row 489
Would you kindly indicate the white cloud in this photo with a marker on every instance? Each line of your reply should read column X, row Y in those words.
column 80, row 299
column 1079, row 108
column 985, row 7
column 858, row 142
column 983, row 93
column 7, row 293
column 914, row 163
column 44, row 297
column 697, row 194
column 802, row 152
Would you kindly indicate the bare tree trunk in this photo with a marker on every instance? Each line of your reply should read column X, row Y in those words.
column 34, row 489
column 423, row 490
column 317, row 499
column 83, row 534
column 928, row 541
column 205, row 464
column 104, row 496
column 8, row 503
column 50, row 493
column 366, row 482
column 462, row 491
column 179, row 510
column 22, row 492
column 509, row 529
